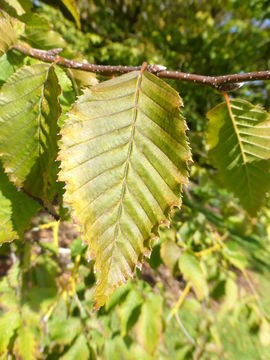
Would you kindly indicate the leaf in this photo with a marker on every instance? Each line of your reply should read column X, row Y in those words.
column 84, row 78
column 124, row 158
column 191, row 270
column 79, row 350
column 72, row 8
column 7, row 35
column 231, row 294
column 127, row 309
column 238, row 135
column 116, row 348
column 39, row 34
column 16, row 210
column 149, row 326
column 25, row 346
column 63, row 332
column 9, row 63
column 264, row 333
column 170, row 253
column 9, row 322
column 29, row 111
column 118, row 296
column 67, row 97
column 20, row 6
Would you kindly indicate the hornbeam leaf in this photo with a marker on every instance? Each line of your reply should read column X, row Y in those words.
column 9, row 322
column 192, row 271
column 7, row 35
column 239, row 138
column 39, row 33
column 124, row 158
column 19, row 6
column 72, row 8
column 29, row 111
column 149, row 325
column 26, row 345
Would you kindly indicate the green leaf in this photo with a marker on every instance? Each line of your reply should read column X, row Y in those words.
column 9, row 322
column 79, row 350
column 7, row 35
column 191, row 270
column 149, row 326
column 39, row 34
column 170, row 253
column 16, row 210
column 128, row 309
column 124, row 159
column 63, row 332
column 9, row 63
column 239, row 138
column 29, row 111
column 25, row 346
column 118, row 296
column 72, row 8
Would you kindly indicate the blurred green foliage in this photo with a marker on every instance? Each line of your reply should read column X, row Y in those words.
column 46, row 295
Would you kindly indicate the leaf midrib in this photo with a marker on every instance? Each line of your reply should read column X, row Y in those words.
column 123, row 190
column 239, row 141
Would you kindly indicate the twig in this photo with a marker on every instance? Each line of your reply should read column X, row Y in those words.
column 187, row 334
column 180, row 301
column 216, row 82
column 44, row 204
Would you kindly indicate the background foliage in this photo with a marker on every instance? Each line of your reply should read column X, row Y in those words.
column 204, row 291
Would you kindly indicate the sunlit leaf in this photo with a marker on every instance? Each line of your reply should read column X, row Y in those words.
column 20, row 6
column 170, row 254
column 29, row 111
column 72, row 8
column 40, row 34
column 7, row 35
column 9, row 322
column 124, row 159
column 264, row 333
column 25, row 345
column 191, row 269
column 239, row 138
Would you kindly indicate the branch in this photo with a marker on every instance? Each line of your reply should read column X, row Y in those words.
column 217, row 82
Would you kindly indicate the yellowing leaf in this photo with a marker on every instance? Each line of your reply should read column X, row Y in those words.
column 264, row 333
column 25, row 345
column 149, row 325
column 124, row 158
column 191, row 270
column 170, row 254
column 29, row 111
column 72, row 8
column 7, row 35
column 239, row 138
column 9, row 322
column 84, row 78
column 20, row 6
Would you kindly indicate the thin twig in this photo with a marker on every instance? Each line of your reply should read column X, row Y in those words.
column 180, row 301
column 216, row 82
